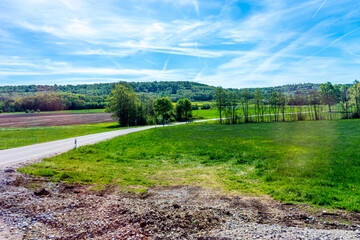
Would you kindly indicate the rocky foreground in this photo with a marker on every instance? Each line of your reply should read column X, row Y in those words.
column 33, row 208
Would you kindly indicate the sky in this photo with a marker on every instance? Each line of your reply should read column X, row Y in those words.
column 238, row 44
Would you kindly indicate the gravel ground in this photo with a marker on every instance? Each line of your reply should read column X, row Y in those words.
column 33, row 208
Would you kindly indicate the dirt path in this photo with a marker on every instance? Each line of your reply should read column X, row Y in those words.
column 33, row 208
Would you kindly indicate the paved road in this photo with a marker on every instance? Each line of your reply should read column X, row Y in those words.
column 39, row 151
column 13, row 156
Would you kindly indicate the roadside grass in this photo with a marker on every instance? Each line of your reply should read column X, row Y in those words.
column 11, row 137
column 315, row 162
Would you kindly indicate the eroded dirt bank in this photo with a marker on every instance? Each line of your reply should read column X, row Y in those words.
column 32, row 208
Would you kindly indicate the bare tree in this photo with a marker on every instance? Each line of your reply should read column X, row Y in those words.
column 221, row 100
column 245, row 96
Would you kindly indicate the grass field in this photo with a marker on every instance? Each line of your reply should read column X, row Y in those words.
column 206, row 114
column 16, row 137
column 314, row 162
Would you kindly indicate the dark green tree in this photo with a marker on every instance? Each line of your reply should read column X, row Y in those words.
column 179, row 110
column 162, row 107
column 329, row 94
column 123, row 104
column 187, row 108
column 183, row 109
column 355, row 97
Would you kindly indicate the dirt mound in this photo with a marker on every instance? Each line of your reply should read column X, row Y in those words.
column 76, row 211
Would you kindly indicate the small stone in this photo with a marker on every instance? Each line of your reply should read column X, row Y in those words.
column 9, row 170
column 41, row 192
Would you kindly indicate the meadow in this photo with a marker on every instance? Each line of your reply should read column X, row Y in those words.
column 11, row 137
column 214, row 113
column 314, row 162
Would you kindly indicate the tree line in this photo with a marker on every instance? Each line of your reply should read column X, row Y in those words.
column 51, row 102
column 246, row 106
column 174, row 90
column 132, row 109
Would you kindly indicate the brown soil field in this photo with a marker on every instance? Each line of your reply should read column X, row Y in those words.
column 53, row 119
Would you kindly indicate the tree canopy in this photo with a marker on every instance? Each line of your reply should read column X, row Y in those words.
column 122, row 103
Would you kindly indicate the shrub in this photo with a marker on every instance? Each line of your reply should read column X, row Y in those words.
column 195, row 107
column 206, row 106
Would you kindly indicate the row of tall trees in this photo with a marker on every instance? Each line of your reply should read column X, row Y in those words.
column 246, row 106
column 133, row 109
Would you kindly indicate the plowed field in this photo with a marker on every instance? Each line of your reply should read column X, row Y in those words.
column 53, row 119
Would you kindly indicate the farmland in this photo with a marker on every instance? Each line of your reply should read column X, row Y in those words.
column 313, row 162
column 52, row 119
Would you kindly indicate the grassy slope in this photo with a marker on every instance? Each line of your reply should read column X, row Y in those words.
column 313, row 162
column 16, row 137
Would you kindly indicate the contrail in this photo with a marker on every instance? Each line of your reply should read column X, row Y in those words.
column 165, row 64
column 336, row 40
column 196, row 7
column 67, row 4
column 150, row 62
column 197, row 52
column 320, row 8
column 333, row 42
column 117, row 64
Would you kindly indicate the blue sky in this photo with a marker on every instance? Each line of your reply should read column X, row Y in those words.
column 222, row 43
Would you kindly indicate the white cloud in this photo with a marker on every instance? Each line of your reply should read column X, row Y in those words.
column 262, row 44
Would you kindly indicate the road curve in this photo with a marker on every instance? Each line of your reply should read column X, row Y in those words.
column 13, row 156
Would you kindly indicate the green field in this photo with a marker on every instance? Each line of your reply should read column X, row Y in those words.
column 314, row 162
column 205, row 114
column 16, row 137
column 214, row 113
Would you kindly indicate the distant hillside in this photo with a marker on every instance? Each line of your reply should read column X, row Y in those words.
column 174, row 90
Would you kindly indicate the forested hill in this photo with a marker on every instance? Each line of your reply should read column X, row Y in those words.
column 174, row 90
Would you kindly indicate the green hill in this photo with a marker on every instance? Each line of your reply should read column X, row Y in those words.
column 174, row 90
